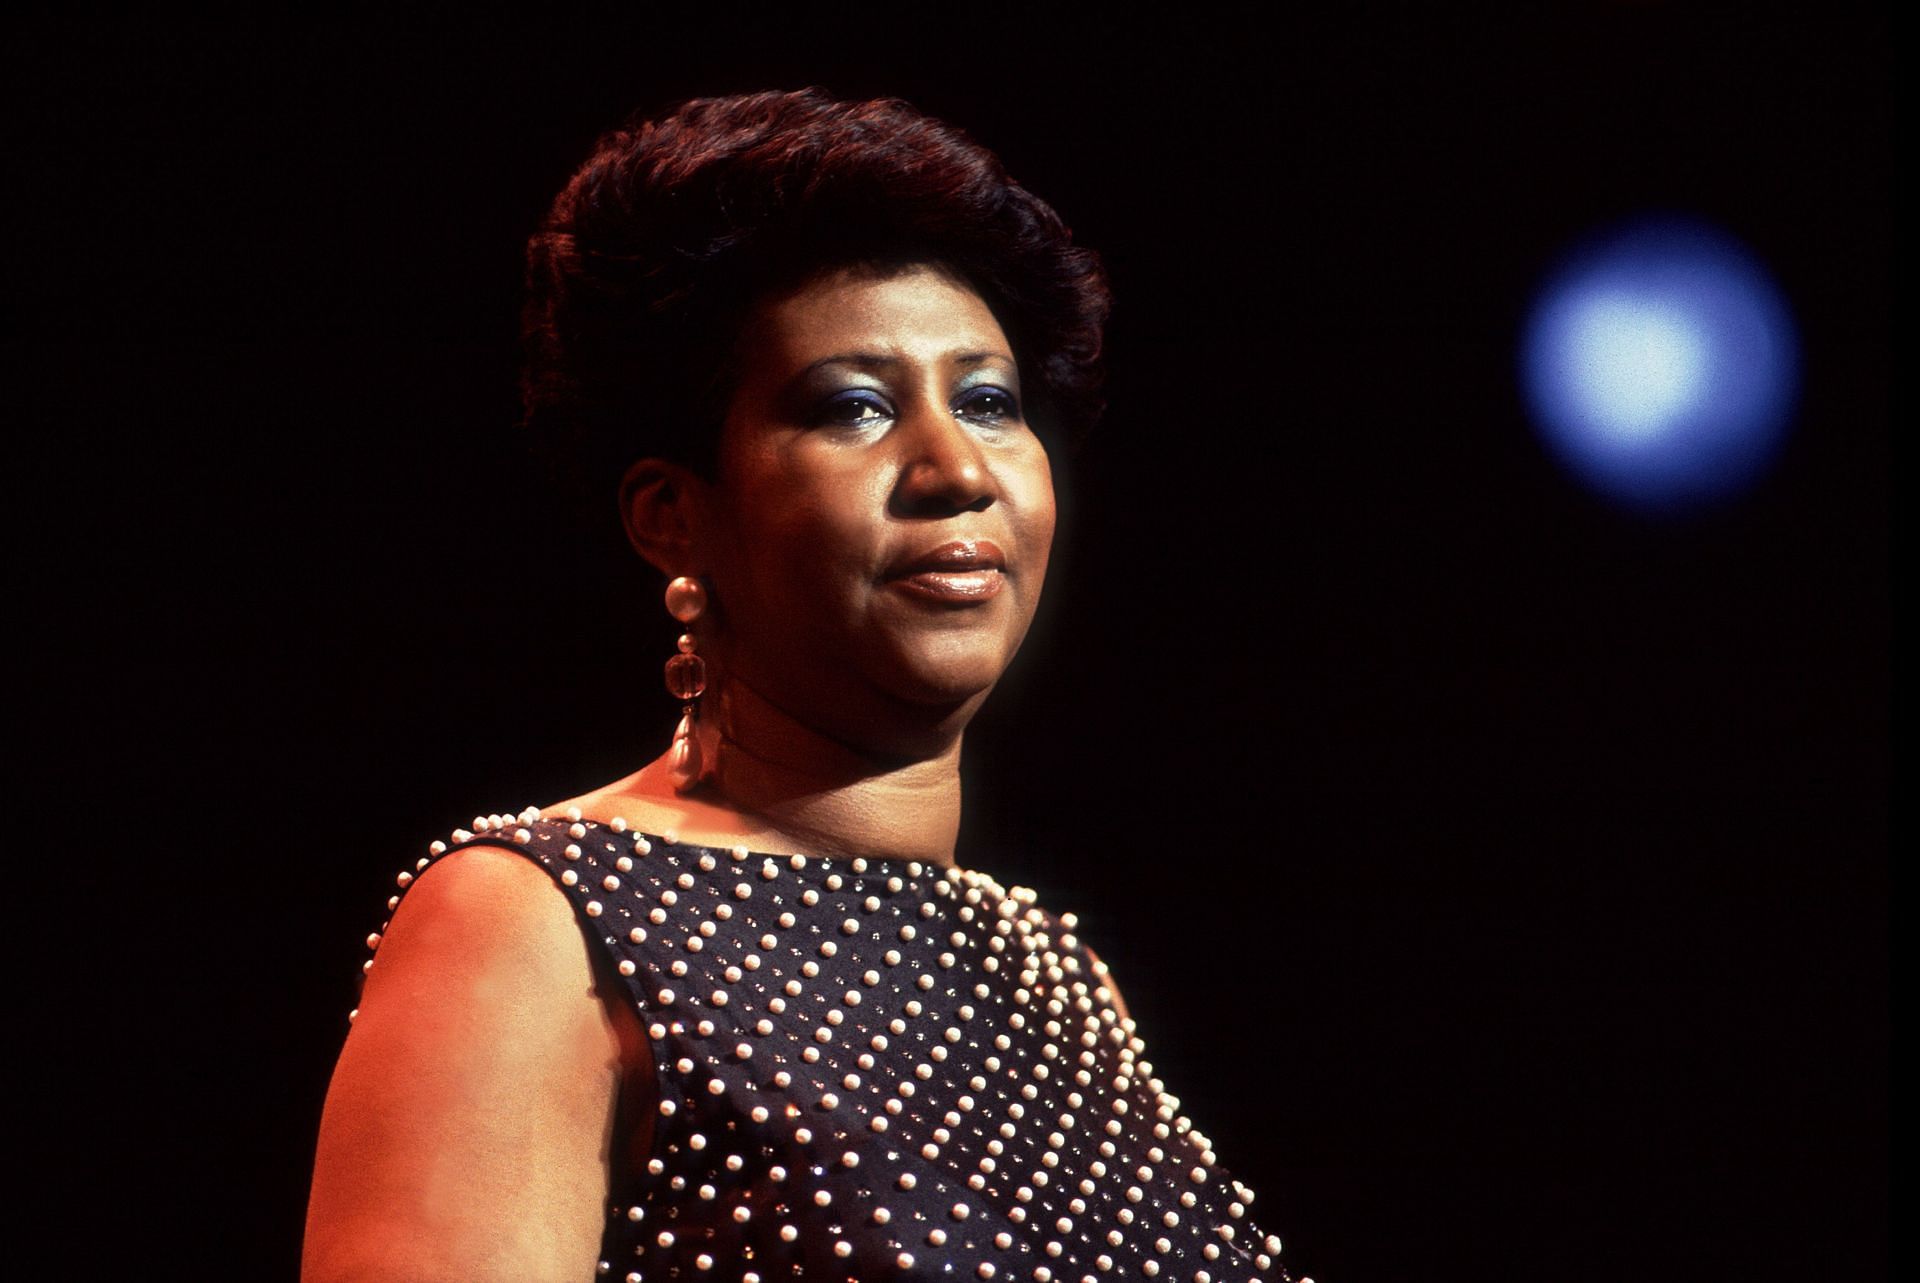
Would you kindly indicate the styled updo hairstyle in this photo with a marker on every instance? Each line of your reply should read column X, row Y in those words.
column 641, row 275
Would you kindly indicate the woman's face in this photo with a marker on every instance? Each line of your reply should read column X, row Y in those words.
column 883, row 514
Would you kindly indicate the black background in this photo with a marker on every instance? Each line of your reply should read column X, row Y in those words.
column 1499, row 878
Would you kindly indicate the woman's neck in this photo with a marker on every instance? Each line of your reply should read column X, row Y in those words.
column 773, row 784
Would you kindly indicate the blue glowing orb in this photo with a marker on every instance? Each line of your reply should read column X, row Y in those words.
column 1660, row 365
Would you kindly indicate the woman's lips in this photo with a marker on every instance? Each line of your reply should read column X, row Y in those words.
column 961, row 572
column 953, row 585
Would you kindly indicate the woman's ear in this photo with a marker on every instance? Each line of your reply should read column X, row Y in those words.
column 662, row 506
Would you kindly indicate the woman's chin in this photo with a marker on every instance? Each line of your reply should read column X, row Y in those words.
column 947, row 674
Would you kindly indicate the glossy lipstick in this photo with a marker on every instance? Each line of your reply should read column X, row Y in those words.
column 961, row 572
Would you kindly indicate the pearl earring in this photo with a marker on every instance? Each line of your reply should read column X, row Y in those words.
column 686, row 679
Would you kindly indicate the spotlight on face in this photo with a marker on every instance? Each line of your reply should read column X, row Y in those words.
column 1660, row 364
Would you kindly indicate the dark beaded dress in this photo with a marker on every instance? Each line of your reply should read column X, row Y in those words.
column 872, row 1069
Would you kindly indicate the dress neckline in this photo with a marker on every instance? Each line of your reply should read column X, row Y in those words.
column 858, row 865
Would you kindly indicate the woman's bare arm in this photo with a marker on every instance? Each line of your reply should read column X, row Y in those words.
column 468, row 1129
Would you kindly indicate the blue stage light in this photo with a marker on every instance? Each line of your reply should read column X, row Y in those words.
column 1660, row 365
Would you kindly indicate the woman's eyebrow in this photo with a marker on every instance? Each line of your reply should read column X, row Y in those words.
column 981, row 358
column 883, row 360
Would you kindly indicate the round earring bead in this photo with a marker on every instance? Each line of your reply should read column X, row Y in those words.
column 686, row 599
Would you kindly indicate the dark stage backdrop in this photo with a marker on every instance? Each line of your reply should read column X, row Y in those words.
column 1498, row 877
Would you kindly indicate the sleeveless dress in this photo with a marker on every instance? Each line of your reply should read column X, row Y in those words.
column 878, row 1069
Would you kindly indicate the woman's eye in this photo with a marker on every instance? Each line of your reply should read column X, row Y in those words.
column 988, row 403
column 853, row 409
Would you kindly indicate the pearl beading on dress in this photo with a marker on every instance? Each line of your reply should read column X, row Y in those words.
column 880, row 1068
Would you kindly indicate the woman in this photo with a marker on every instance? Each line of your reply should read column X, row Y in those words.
column 767, row 1028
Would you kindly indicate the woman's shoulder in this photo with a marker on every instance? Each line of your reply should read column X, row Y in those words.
column 477, row 924
column 482, row 924
column 473, row 891
column 478, row 1032
column 471, row 908
column 477, row 920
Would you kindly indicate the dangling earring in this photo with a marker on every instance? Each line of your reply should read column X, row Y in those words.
column 686, row 679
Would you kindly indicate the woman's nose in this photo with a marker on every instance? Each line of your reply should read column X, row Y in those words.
column 945, row 469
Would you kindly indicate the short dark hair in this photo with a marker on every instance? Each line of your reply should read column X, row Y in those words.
column 643, row 271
